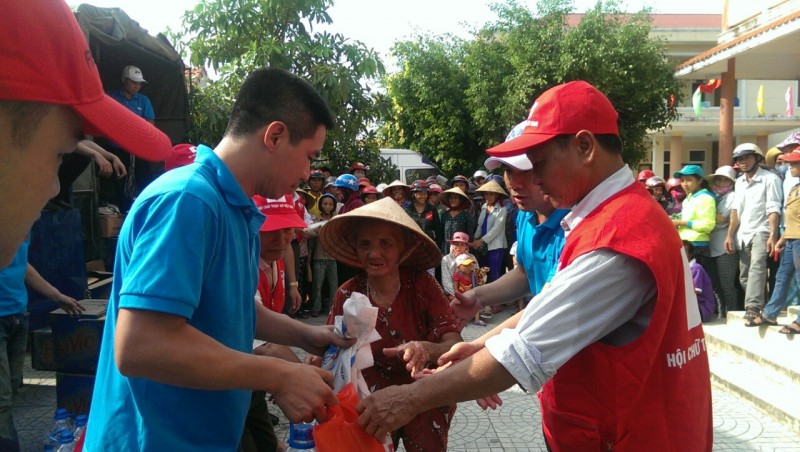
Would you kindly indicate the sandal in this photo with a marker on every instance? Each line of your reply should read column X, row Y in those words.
column 787, row 329
column 761, row 321
column 752, row 312
column 479, row 323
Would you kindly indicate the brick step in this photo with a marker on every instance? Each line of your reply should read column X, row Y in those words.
column 758, row 364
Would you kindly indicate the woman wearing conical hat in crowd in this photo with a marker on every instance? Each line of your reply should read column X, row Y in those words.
column 399, row 192
column 491, row 228
column 455, row 216
column 414, row 318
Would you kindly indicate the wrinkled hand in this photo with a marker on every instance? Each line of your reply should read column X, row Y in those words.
column 780, row 245
column 320, row 337
column 386, row 410
column 103, row 166
column 303, row 395
column 464, row 307
column 68, row 304
column 721, row 219
column 414, row 353
column 119, row 168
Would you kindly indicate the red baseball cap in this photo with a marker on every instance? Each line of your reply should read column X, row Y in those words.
column 45, row 58
column 562, row 110
column 182, row 154
column 280, row 213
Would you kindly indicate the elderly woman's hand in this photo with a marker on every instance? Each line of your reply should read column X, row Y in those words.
column 414, row 353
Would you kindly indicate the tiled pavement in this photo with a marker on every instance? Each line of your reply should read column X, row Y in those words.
column 516, row 426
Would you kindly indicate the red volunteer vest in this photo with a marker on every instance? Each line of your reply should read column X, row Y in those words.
column 655, row 392
column 273, row 300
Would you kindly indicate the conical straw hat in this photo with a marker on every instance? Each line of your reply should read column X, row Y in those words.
column 337, row 238
column 492, row 187
column 466, row 202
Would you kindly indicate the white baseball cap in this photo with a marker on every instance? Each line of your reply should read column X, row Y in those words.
column 519, row 162
column 133, row 73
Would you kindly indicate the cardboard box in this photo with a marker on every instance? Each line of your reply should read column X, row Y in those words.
column 110, row 225
column 74, row 392
column 76, row 341
column 42, row 349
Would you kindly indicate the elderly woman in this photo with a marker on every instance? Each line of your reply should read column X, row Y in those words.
column 414, row 318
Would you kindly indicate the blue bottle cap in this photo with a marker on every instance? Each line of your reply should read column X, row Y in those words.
column 301, row 436
column 80, row 420
column 61, row 413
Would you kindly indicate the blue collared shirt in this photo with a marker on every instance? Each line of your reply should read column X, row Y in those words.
column 189, row 247
column 539, row 246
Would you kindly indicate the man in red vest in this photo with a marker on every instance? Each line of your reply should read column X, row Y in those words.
column 615, row 343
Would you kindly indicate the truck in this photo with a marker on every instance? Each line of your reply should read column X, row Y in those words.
column 411, row 165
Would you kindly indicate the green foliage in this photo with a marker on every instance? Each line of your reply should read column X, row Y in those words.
column 453, row 99
column 235, row 37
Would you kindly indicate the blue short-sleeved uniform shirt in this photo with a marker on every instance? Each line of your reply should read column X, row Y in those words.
column 13, row 294
column 539, row 246
column 139, row 104
column 189, row 247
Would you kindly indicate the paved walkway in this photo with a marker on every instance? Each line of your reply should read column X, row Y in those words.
column 516, row 426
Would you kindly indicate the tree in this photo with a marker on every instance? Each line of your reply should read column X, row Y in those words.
column 510, row 62
column 429, row 112
column 235, row 37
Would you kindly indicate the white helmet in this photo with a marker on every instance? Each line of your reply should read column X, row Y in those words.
column 480, row 173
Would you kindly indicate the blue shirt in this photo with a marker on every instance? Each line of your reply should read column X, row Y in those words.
column 13, row 294
column 189, row 247
column 139, row 104
column 539, row 246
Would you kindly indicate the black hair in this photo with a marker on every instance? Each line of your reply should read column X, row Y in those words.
column 25, row 119
column 273, row 94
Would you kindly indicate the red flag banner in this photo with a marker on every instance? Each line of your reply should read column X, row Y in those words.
column 712, row 84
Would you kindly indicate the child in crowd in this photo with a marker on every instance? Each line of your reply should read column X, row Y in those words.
column 467, row 276
column 702, row 285
column 458, row 247
column 676, row 195
column 323, row 266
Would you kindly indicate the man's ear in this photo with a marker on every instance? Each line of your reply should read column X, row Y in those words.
column 587, row 145
column 275, row 133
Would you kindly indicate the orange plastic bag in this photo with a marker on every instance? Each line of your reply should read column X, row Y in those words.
column 340, row 431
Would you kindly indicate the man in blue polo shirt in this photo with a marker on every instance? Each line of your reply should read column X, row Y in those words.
column 122, row 191
column 540, row 239
column 175, row 361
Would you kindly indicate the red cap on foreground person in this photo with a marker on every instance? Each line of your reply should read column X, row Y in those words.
column 280, row 213
column 554, row 114
column 46, row 59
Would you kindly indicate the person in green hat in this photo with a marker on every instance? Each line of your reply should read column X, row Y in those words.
column 698, row 212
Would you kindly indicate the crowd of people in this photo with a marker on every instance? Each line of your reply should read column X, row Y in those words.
column 739, row 223
column 214, row 253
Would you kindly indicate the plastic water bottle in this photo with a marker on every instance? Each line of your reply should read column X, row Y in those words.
column 300, row 437
column 80, row 426
column 61, row 423
column 66, row 442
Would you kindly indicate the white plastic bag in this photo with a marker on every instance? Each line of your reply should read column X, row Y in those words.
column 358, row 321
